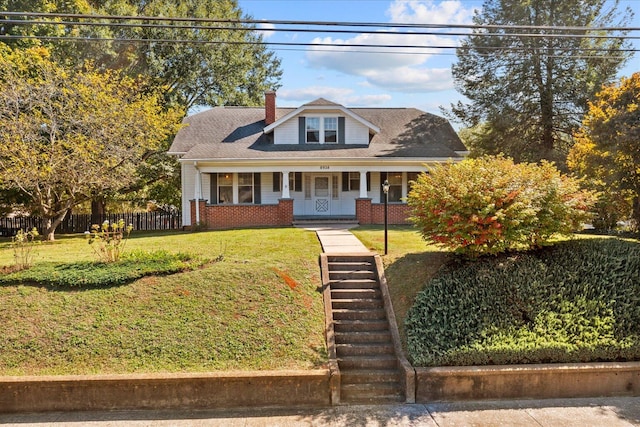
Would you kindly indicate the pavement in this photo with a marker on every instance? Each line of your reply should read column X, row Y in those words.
column 337, row 239
column 610, row 412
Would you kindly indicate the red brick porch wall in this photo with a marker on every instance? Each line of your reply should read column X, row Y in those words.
column 236, row 216
column 373, row 213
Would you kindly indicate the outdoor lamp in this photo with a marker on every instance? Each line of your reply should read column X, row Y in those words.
column 385, row 189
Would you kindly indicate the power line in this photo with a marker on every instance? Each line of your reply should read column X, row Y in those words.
column 318, row 23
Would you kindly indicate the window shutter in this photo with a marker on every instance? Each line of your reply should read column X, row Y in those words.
column 341, row 130
column 257, row 189
column 302, row 131
column 214, row 188
column 297, row 181
column 368, row 181
column 383, row 176
column 276, row 182
column 345, row 181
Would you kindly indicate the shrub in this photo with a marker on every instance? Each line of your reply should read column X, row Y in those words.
column 574, row 302
column 109, row 240
column 22, row 244
column 490, row 205
column 132, row 266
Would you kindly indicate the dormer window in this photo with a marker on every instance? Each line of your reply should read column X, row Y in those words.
column 322, row 130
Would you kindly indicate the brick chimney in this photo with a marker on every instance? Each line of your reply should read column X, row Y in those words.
column 269, row 107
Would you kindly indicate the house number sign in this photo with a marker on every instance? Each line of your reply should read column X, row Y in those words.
column 324, row 167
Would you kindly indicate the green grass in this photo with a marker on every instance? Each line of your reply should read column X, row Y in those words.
column 258, row 308
column 409, row 264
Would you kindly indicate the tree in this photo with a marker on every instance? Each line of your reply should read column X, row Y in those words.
column 71, row 134
column 528, row 93
column 490, row 205
column 607, row 150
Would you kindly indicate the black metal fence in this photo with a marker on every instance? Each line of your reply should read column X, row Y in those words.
column 79, row 223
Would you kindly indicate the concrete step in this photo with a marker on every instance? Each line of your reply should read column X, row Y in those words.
column 369, row 376
column 353, row 284
column 359, row 314
column 362, row 337
column 350, row 293
column 350, row 258
column 364, row 349
column 381, row 361
column 371, row 393
column 351, row 275
column 360, row 325
column 356, row 303
column 351, row 266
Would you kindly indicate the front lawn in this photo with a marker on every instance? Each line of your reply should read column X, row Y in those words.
column 257, row 308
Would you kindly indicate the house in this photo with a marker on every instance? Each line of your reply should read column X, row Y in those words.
column 260, row 166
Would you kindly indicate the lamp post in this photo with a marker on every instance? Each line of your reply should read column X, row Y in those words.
column 385, row 189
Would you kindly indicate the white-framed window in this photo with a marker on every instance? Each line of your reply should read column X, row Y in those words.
column 321, row 130
column 354, row 181
column 245, row 188
column 395, row 186
column 225, row 188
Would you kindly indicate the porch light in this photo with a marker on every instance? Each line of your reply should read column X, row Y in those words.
column 385, row 189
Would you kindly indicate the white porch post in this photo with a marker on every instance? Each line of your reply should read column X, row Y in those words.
column 197, row 191
column 363, row 184
column 285, row 185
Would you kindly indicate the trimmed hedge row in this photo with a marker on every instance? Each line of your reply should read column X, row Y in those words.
column 134, row 265
column 578, row 301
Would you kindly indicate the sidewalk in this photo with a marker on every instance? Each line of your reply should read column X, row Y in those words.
column 337, row 239
column 610, row 412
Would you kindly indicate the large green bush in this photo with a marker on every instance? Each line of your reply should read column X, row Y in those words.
column 490, row 205
column 577, row 301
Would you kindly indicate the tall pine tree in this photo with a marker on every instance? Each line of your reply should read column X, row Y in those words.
column 529, row 85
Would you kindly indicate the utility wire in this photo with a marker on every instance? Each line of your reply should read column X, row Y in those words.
column 316, row 23
column 19, row 22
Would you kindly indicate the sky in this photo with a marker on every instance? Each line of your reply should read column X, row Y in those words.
column 421, row 79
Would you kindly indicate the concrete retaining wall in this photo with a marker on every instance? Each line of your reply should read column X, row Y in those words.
column 527, row 381
column 165, row 391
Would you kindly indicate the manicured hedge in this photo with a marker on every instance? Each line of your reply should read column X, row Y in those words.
column 133, row 266
column 577, row 301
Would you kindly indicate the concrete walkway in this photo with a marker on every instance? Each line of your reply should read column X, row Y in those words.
column 610, row 412
column 337, row 239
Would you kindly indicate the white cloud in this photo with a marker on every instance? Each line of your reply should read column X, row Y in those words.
column 429, row 12
column 344, row 96
column 265, row 29
column 406, row 69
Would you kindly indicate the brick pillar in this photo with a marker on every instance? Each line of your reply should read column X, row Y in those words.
column 285, row 211
column 363, row 211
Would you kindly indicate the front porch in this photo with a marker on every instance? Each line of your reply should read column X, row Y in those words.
column 217, row 217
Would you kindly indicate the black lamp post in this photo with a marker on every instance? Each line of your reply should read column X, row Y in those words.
column 385, row 189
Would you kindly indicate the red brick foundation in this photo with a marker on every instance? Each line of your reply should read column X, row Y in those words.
column 237, row 216
column 373, row 213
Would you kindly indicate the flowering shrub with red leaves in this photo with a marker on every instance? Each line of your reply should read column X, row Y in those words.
column 491, row 205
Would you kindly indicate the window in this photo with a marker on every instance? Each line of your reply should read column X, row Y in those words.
column 412, row 177
column 245, row 188
column 354, row 181
column 295, row 181
column 313, row 130
column 321, row 130
column 330, row 130
column 395, row 185
column 225, row 188
column 335, row 195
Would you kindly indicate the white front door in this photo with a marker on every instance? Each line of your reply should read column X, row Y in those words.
column 321, row 194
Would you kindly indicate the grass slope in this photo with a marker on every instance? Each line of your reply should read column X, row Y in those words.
column 259, row 308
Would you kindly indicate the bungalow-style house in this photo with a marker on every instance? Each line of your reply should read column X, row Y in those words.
column 254, row 166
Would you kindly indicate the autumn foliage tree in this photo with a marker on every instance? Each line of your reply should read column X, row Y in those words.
column 67, row 134
column 490, row 205
column 607, row 151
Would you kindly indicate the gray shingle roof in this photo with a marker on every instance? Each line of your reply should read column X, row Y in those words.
column 237, row 133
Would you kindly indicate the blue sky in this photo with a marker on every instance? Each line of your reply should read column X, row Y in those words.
column 419, row 79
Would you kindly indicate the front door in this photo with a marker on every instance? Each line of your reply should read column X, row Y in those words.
column 322, row 194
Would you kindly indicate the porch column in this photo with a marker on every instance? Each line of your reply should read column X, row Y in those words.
column 363, row 185
column 285, row 185
column 197, row 191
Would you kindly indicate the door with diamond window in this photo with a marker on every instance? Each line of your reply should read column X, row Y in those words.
column 322, row 195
